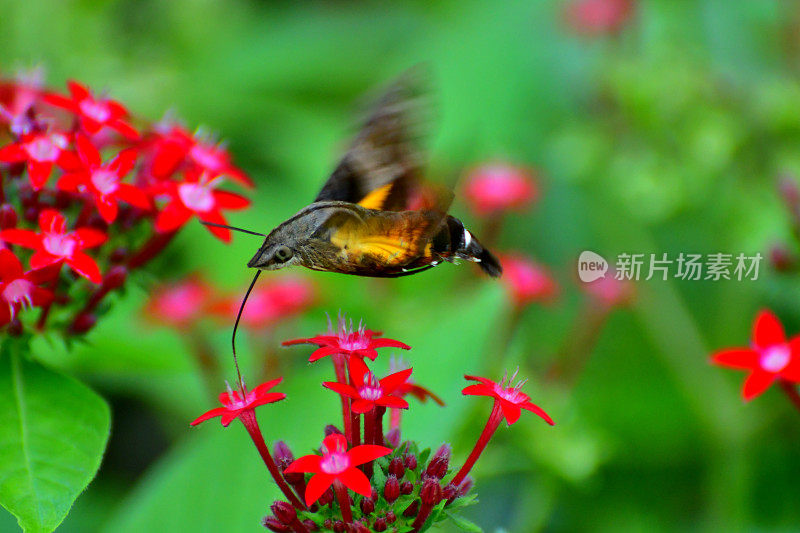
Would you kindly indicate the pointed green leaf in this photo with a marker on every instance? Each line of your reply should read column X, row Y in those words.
column 53, row 431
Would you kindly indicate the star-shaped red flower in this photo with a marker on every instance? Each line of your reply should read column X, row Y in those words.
column 104, row 181
column 18, row 288
column 175, row 146
column 54, row 244
column 94, row 113
column 509, row 397
column 234, row 404
column 40, row 151
column 197, row 196
column 367, row 391
column 359, row 342
column 337, row 463
column 770, row 357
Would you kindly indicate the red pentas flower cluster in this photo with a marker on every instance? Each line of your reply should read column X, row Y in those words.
column 80, row 201
column 364, row 478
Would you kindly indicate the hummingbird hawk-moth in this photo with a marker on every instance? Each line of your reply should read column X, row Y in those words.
column 375, row 216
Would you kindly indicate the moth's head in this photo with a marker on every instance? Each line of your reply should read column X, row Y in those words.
column 280, row 249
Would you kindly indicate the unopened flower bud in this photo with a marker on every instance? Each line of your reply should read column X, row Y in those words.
column 412, row 509
column 118, row 255
column 284, row 512
column 31, row 214
column 62, row 199
column 115, row 277
column 358, row 527
column 393, row 437
column 406, row 487
column 391, row 491
column 449, row 492
column 326, row 498
column 338, row 527
column 367, row 505
column 283, row 455
column 431, row 491
column 83, row 323
column 411, row 461
column 390, row 517
column 330, row 429
column 273, row 524
column 438, row 466
column 15, row 327
column 328, row 523
column 380, row 524
column 310, row 524
column 465, row 486
column 397, row 467
column 8, row 216
column 28, row 197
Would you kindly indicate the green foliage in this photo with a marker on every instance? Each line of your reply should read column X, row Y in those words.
column 53, row 431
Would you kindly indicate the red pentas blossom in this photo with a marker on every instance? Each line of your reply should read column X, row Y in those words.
column 173, row 147
column 498, row 187
column 269, row 303
column 770, row 357
column 598, row 17
column 526, row 281
column 179, row 304
column 609, row 292
column 53, row 244
column 234, row 402
column 18, row 288
column 41, row 151
column 103, row 181
column 368, row 391
column 17, row 101
column 197, row 195
column 360, row 342
column 337, row 465
column 94, row 113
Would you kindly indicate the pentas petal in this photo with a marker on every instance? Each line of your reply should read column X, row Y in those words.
column 389, row 343
column 307, row 463
column 5, row 315
column 358, row 370
column 125, row 129
column 213, row 216
column 40, row 276
column 362, row 406
column 85, row 266
column 172, row 217
column 13, row 153
column 366, row 453
column 61, row 101
column 77, row 90
column 217, row 411
column 69, row 182
column 87, row 151
column 90, row 237
column 10, row 266
column 319, row 353
column 21, row 237
column 533, row 408
column 107, row 207
column 229, row 416
column 392, row 382
column 169, row 155
column 229, row 200
column 334, row 441
column 478, row 390
column 68, row 161
column 742, row 358
column 133, row 195
column 341, row 388
column 767, row 330
column 51, row 220
column 355, row 480
column 38, row 173
column 511, row 411
column 392, row 402
column 267, row 386
column 269, row 397
column 420, row 393
column 123, row 162
column 369, row 353
column 756, row 383
column 41, row 259
column 317, row 486
column 40, row 296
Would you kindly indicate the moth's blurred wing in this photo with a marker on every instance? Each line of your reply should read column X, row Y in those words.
column 382, row 166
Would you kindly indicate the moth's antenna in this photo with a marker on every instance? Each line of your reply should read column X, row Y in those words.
column 233, row 228
column 236, row 325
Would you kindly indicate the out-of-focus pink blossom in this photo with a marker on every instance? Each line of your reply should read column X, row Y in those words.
column 599, row 17
column 496, row 187
column 526, row 281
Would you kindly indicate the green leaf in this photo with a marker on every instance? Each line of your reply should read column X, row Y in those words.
column 463, row 524
column 53, row 431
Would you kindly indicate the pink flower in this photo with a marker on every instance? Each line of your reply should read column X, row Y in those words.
column 499, row 187
column 179, row 304
column 526, row 281
column 609, row 292
column 770, row 357
column 234, row 403
column 270, row 303
column 510, row 398
column 347, row 341
column 94, row 113
column 598, row 17
column 367, row 391
column 17, row 101
column 175, row 147
column 54, row 244
column 40, row 151
column 337, row 464
column 104, row 181
column 19, row 289
column 197, row 196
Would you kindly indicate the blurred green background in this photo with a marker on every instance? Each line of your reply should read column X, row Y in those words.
column 667, row 137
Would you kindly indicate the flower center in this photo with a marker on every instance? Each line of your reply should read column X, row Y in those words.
column 206, row 157
column 42, row 149
column 59, row 244
column 335, row 463
column 775, row 358
column 105, row 181
column 370, row 392
column 353, row 341
column 97, row 111
column 196, row 197
column 18, row 291
column 511, row 394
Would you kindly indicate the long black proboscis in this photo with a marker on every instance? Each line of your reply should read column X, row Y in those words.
column 235, row 327
column 233, row 228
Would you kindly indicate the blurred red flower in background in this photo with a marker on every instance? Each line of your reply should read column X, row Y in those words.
column 93, row 113
column 41, row 151
column 609, row 292
column 18, row 288
column 497, row 187
column 526, row 281
column 269, row 303
column 769, row 358
column 179, row 304
column 598, row 17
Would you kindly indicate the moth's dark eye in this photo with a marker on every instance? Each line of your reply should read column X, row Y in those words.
column 283, row 254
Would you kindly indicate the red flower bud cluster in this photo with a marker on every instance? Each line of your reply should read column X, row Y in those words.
column 88, row 194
